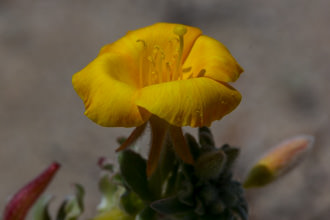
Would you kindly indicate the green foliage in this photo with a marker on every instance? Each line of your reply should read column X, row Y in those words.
column 177, row 190
column 133, row 170
column 73, row 206
column 205, row 190
column 40, row 209
column 110, row 191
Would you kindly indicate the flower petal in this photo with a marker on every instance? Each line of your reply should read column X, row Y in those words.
column 107, row 88
column 210, row 56
column 195, row 102
column 157, row 34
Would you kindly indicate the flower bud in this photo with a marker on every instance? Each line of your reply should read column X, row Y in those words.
column 20, row 204
column 279, row 161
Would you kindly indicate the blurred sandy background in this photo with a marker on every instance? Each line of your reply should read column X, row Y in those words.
column 282, row 45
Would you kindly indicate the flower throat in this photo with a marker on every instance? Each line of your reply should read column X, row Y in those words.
column 163, row 63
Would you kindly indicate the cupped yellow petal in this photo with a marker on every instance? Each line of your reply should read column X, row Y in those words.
column 211, row 58
column 194, row 102
column 158, row 34
column 108, row 86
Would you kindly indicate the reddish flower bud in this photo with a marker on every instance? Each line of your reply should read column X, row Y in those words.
column 279, row 161
column 19, row 205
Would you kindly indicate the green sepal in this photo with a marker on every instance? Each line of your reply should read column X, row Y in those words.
column 186, row 194
column 133, row 170
column 73, row 206
column 40, row 208
column 231, row 153
column 217, row 207
column 170, row 206
column 208, row 194
column 199, row 208
column 241, row 212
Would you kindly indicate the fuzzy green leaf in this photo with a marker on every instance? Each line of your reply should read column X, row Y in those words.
column 193, row 145
column 40, row 209
column 133, row 171
column 210, row 165
column 73, row 206
column 111, row 193
column 206, row 139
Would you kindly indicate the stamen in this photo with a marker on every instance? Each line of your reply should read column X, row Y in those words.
column 169, row 75
column 151, row 70
column 143, row 42
column 179, row 30
column 141, row 58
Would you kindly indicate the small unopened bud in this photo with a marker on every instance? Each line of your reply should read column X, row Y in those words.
column 279, row 161
column 210, row 165
column 20, row 204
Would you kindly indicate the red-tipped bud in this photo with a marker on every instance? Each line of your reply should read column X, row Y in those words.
column 19, row 205
column 278, row 161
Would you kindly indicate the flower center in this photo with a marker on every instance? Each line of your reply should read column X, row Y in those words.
column 162, row 63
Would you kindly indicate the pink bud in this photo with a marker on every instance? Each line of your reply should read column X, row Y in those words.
column 22, row 201
column 279, row 160
column 288, row 153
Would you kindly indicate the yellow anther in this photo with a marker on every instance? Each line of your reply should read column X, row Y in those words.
column 185, row 70
column 201, row 73
column 143, row 42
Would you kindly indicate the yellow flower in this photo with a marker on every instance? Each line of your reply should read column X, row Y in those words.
column 168, row 74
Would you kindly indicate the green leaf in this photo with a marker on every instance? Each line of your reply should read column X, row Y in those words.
column 73, row 206
column 131, row 203
column 110, row 191
column 133, row 171
column 40, row 209
column 170, row 206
